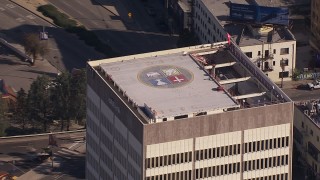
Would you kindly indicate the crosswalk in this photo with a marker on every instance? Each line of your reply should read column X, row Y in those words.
column 67, row 153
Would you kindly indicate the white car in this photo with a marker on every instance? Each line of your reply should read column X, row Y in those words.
column 314, row 85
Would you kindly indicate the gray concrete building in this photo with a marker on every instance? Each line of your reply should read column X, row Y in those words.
column 200, row 112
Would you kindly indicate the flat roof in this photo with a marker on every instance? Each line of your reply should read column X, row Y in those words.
column 171, row 85
column 240, row 32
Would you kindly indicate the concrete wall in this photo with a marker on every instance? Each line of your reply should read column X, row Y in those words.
column 238, row 120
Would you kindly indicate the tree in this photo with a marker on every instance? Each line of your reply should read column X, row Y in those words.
column 34, row 46
column 3, row 120
column 21, row 109
column 78, row 94
column 61, row 99
column 40, row 107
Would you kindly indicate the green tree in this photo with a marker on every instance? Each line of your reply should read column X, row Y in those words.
column 40, row 107
column 3, row 120
column 61, row 99
column 20, row 114
column 78, row 95
column 34, row 46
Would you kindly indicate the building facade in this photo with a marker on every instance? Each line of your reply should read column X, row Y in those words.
column 201, row 112
column 315, row 25
column 306, row 135
column 272, row 49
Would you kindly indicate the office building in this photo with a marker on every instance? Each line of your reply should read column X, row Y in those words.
column 200, row 112
column 315, row 25
column 307, row 135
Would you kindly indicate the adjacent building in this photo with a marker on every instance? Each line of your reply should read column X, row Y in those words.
column 271, row 47
column 200, row 112
column 307, row 136
column 315, row 25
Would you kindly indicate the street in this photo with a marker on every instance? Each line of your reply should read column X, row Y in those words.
column 66, row 50
column 125, row 35
column 19, row 155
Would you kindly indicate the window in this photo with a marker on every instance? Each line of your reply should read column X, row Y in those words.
column 284, row 51
column 302, row 124
column 259, row 53
column 274, row 51
column 284, row 62
column 284, row 74
column 249, row 54
column 266, row 53
column 311, row 132
column 273, row 63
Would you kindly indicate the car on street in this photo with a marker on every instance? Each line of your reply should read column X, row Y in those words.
column 314, row 85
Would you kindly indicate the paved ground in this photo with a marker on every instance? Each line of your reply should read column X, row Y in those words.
column 109, row 20
column 19, row 74
column 66, row 51
column 20, row 156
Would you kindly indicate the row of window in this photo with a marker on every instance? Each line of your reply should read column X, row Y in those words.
column 119, row 138
column 169, row 160
column 106, row 160
column 266, row 163
column 284, row 176
column 92, row 107
column 90, row 140
column 218, row 152
column 90, row 175
column 218, row 170
column 104, row 174
column 118, row 173
column 134, row 155
column 204, row 173
column 107, row 123
column 266, row 144
column 185, row 175
column 120, row 157
column 283, row 51
column 133, row 172
column 93, row 163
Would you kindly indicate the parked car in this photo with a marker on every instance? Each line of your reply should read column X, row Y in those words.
column 314, row 85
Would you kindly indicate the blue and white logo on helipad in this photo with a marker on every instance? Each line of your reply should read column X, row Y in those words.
column 165, row 76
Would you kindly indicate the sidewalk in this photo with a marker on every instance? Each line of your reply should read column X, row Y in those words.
column 292, row 84
column 41, row 171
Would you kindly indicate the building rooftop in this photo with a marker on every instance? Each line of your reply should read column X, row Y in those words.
column 171, row 85
column 311, row 108
column 245, row 34
column 187, row 82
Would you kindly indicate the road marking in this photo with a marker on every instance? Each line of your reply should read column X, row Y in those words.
column 30, row 16
column 70, row 151
column 10, row 6
column 74, row 144
column 20, row 20
column 60, row 176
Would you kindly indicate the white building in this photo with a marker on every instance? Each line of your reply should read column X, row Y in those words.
column 201, row 112
column 266, row 46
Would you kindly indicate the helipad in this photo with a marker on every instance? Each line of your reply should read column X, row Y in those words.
column 170, row 85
